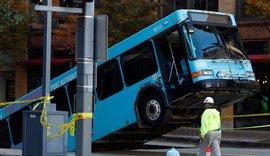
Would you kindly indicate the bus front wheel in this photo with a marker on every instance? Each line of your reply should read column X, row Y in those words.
column 153, row 111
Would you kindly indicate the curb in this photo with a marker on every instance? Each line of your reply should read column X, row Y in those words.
column 224, row 141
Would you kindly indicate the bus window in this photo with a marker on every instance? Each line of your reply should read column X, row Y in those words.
column 61, row 99
column 72, row 95
column 214, row 42
column 232, row 42
column 109, row 79
column 64, row 97
column 5, row 141
column 206, row 43
column 15, row 122
column 139, row 63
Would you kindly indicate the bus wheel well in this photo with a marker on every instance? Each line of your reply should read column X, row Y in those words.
column 146, row 92
column 151, row 109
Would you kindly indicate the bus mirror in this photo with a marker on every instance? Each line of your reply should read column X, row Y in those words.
column 190, row 27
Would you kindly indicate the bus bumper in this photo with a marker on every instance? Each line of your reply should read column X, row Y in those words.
column 227, row 86
column 224, row 92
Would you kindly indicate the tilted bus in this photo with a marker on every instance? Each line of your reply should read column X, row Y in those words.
column 154, row 81
column 162, row 73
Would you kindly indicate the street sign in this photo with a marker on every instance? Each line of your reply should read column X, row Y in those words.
column 101, row 37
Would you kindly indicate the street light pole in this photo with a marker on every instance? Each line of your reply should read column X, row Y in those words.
column 85, row 78
column 47, row 51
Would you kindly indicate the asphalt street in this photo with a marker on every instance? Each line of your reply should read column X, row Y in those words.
column 184, row 151
column 162, row 152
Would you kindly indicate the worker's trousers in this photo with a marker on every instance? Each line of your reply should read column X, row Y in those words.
column 212, row 139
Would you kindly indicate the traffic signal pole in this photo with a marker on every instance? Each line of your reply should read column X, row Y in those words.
column 85, row 78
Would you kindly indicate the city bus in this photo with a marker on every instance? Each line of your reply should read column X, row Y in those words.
column 162, row 73
column 154, row 81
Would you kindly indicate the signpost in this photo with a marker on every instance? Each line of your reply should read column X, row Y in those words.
column 46, row 72
column 85, row 78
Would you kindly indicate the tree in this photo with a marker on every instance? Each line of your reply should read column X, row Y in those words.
column 259, row 7
column 127, row 17
column 64, row 24
column 14, row 21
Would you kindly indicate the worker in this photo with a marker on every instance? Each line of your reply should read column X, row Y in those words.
column 210, row 130
column 264, row 103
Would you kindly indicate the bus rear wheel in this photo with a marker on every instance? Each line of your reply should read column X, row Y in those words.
column 153, row 111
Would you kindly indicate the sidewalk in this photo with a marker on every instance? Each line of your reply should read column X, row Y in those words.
column 246, row 138
column 189, row 138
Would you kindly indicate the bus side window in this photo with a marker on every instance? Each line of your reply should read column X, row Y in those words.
column 109, row 79
column 16, row 124
column 5, row 141
column 139, row 63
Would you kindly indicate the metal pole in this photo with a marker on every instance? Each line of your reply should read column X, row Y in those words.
column 190, row 4
column 47, row 51
column 46, row 71
column 174, row 5
column 161, row 10
column 85, row 78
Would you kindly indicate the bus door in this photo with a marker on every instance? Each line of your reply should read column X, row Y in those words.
column 173, row 64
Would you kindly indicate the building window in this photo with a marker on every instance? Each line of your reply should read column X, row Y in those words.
column 256, row 48
column 242, row 12
column 10, row 90
column 61, row 53
column 34, row 77
column 211, row 5
column 170, row 6
column 35, row 53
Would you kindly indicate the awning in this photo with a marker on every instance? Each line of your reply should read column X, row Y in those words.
column 35, row 62
column 259, row 58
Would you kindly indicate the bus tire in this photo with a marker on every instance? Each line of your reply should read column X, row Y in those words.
column 153, row 112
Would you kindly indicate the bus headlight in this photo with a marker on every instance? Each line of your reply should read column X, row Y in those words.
column 207, row 72
column 204, row 72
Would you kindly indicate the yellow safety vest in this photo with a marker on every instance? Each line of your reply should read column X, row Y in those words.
column 210, row 121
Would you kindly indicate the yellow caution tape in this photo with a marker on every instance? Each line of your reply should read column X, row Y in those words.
column 44, row 120
column 45, row 101
column 245, row 115
column 71, row 124
column 24, row 101
column 252, row 127
column 63, row 127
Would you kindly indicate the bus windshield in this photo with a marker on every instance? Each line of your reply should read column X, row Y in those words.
column 214, row 42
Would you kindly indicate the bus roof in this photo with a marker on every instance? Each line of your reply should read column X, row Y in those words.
column 156, row 28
